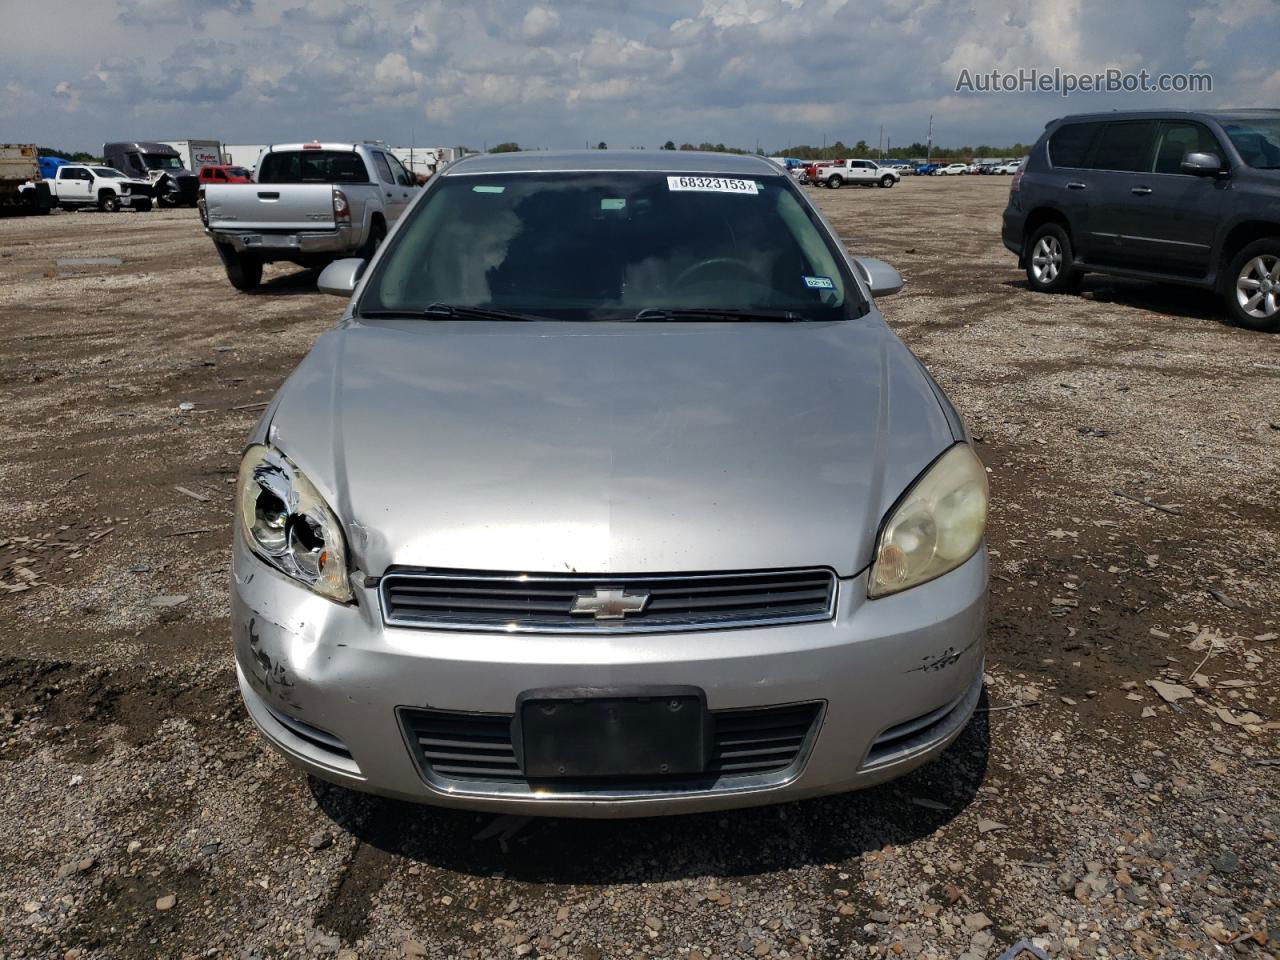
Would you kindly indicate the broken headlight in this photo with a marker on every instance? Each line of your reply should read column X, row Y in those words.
column 286, row 522
column 936, row 526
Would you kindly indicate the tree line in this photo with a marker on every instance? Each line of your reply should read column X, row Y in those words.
column 835, row 151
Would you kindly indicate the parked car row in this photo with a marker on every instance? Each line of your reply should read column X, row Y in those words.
column 838, row 173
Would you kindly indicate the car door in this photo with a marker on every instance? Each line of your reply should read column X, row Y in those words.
column 77, row 183
column 1120, row 151
column 405, row 180
column 1175, row 214
column 861, row 171
column 64, row 184
column 393, row 200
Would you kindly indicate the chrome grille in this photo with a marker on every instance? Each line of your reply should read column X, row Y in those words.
column 477, row 747
column 537, row 603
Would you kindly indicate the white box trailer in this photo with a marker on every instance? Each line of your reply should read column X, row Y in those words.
column 243, row 154
column 422, row 160
column 425, row 160
column 196, row 153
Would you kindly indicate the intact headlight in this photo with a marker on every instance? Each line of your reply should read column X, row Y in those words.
column 286, row 522
column 937, row 525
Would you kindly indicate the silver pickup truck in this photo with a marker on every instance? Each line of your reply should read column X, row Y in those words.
column 312, row 203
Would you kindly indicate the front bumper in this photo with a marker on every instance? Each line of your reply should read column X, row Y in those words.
column 324, row 683
column 337, row 240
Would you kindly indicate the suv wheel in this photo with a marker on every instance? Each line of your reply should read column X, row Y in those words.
column 108, row 202
column 886, row 181
column 1253, row 297
column 836, row 182
column 1049, row 263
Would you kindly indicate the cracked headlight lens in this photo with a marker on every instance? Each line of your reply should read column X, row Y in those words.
column 935, row 527
column 286, row 522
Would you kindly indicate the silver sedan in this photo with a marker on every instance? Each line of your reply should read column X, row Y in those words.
column 611, row 494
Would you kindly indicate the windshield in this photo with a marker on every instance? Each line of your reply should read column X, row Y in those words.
column 1257, row 140
column 159, row 162
column 607, row 245
column 109, row 172
column 312, row 166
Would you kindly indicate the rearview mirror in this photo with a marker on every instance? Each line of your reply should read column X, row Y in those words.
column 883, row 279
column 1202, row 164
column 340, row 277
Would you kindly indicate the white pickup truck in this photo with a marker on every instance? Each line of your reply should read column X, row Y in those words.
column 867, row 173
column 90, row 185
column 312, row 203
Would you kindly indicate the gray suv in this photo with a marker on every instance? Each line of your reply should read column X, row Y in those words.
column 1176, row 196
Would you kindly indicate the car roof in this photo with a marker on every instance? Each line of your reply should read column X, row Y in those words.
column 662, row 161
column 1215, row 114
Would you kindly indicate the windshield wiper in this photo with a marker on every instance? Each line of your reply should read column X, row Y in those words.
column 448, row 311
column 717, row 313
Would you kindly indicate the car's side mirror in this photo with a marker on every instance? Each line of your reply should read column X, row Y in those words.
column 1202, row 164
column 883, row 279
column 340, row 277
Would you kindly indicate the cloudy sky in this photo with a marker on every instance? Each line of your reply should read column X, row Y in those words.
column 559, row 73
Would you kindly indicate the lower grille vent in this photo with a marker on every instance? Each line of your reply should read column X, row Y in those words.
column 478, row 747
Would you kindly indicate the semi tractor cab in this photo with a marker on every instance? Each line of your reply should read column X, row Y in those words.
column 173, row 184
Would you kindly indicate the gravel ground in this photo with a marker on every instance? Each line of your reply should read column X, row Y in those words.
column 1115, row 796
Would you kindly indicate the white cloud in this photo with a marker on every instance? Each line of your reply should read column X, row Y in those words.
column 557, row 72
column 541, row 24
column 150, row 13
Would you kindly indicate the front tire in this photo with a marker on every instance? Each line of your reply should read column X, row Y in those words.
column 886, row 181
column 1050, row 262
column 244, row 271
column 108, row 203
column 835, row 183
column 1252, row 285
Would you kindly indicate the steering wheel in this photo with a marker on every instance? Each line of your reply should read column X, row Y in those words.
column 714, row 263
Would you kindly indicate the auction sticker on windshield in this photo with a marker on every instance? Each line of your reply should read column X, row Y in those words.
column 712, row 185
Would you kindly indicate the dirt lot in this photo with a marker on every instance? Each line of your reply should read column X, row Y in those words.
column 1134, row 444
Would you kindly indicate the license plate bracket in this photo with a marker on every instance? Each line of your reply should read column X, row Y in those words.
column 636, row 732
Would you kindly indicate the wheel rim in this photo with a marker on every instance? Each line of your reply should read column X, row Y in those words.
column 1046, row 259
column 1258, row 287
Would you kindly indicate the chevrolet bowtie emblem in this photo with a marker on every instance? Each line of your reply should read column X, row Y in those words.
column 609, row 603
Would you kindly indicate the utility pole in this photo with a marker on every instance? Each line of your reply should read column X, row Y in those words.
column 928, row 150
column 880, row 146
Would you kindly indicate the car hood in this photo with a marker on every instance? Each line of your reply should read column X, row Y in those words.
column 610, row 448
